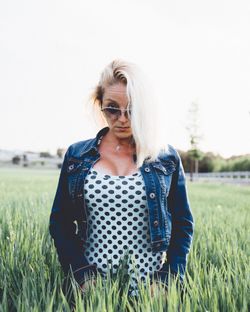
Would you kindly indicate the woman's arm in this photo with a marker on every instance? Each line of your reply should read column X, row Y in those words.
column 182, row 223
column 63, row 230
column 182, row 227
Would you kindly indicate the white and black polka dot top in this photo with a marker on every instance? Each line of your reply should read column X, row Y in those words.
column 118, row 223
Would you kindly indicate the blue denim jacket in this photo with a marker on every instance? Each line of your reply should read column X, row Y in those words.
column 170, row 218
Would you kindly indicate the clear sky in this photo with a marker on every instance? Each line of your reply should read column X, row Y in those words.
column 52, row 53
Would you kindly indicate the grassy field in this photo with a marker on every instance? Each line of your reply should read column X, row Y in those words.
column 217, row 277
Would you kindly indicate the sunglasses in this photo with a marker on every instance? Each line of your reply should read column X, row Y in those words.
column 115, row 113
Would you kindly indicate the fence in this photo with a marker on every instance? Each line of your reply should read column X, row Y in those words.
column 238, row 177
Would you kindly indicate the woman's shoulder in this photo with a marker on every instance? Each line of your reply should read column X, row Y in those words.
column 169, row 155
column 77, row 149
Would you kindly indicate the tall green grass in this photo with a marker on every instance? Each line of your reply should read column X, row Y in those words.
column 217, row 276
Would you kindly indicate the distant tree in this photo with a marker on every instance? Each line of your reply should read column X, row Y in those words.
column 60, row 152
column 207, row 163
column 242, row 165
column 211, row 162
column 16, row 160
column 236, row 163
column 25, row 160
column 185, row 160
column 194, row 138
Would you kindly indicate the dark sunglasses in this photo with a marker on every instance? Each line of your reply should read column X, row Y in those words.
column 115, row 113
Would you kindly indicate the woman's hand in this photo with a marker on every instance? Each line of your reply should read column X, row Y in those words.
column 154, row 288
column 87, row 284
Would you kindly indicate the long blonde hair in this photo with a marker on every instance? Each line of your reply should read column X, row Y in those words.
column 146, row 128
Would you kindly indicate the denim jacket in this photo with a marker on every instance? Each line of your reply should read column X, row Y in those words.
column 170, row 219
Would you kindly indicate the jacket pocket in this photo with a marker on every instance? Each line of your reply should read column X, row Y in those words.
column 164, row 172
column 74, row 168
column 73, row 165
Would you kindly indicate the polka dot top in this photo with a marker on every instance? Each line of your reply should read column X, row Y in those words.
column 118, row 224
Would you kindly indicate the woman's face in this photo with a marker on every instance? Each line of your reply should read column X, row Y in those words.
column 115, row 96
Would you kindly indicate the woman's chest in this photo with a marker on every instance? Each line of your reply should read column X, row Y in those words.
column 115, row 164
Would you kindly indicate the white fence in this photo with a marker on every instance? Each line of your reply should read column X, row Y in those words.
column 240, row 177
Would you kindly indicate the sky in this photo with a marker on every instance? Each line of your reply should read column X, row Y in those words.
column 53, row 51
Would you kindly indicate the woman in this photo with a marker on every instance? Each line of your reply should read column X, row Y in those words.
column 122, row 192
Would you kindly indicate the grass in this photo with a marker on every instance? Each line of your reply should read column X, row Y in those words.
column 217, row 276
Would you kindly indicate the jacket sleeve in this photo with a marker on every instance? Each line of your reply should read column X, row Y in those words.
column 182, row 227
column 63, row 230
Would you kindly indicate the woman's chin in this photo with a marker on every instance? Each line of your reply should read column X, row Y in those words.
column 123, row 136
column 123, row 132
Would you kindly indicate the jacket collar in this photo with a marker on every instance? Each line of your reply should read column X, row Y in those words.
column 92, row 146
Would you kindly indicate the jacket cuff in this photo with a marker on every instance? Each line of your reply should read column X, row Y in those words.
column 162, row 276
column 85, row 273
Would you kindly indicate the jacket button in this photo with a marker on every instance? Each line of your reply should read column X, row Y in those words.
column 71, row 167
column 152, row 195
column 158, row 245
column 156, row 223
column 147, row 169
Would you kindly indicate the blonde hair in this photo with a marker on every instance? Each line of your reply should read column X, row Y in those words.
column 145, row 124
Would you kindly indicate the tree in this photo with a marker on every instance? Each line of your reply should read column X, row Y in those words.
column 194, row 138
column 60, row 152
column 16, row 160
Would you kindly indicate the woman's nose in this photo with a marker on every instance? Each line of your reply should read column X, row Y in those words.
column 123, row 116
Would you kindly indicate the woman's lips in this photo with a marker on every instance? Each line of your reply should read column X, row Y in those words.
column 122, row 128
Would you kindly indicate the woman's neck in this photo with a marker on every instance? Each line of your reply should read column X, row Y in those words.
column 119, row 144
